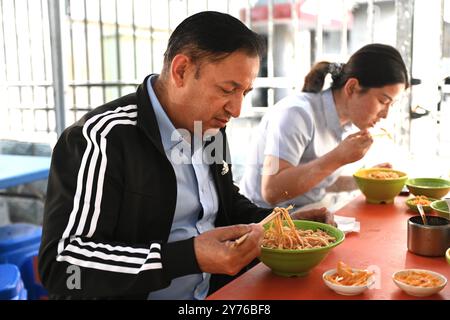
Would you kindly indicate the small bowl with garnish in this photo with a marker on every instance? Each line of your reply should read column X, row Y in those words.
column 422, row 200
column 418, row 282
column 348, row 281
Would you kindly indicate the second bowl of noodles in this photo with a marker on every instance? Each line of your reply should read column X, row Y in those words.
column 380, row 185
column 289, row 255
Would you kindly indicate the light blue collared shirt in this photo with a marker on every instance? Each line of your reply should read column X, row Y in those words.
column 196, row 196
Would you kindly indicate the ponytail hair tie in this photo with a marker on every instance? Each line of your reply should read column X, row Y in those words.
column 335, row 69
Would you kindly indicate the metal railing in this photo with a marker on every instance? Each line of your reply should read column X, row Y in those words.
column 61, row 58
column 26, row 84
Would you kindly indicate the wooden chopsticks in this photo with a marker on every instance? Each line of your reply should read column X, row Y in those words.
column 267, row 219
column 382, row 134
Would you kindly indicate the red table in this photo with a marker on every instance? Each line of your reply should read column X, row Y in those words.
column 381, row 245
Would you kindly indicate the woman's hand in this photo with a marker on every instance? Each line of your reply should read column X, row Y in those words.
column 353, row 147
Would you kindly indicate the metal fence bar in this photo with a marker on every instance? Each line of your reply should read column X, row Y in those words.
column 248, row 14
column 57, row 64
column 33, row 94
column 319, row 33
column 72, row 53
column 43, row 20
column 110, row 46
column 295, row 22
column 133, row 22
column 102, row 46
column 119, row 71
column 405, row 28
column 344, row 30
column 270, row 62
column 152, row 45
column 4, row 55
column 371, row 20
column 168, row 15
column 18, row 60
column 86, row 38
column 51, row 16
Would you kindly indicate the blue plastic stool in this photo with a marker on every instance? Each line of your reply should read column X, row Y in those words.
column 19, row 245
column 11, row 285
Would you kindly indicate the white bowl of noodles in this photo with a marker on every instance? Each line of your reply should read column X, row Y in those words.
column 348, row 281
column 418, row 282
column 287, row 259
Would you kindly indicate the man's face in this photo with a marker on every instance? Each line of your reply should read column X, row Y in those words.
column 216, row 93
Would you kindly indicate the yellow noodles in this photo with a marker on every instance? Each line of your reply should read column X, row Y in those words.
column 382, row 175
column 423, row 200
column 279, row 236
column 419, row 279
column 345, row 276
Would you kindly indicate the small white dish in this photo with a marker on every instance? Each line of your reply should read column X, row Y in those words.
column 346, row 290
column 416, row 290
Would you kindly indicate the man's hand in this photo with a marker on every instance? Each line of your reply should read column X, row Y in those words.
column 215, row 251
column 319, row 215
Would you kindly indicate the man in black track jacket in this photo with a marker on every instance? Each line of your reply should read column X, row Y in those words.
column 126, row 215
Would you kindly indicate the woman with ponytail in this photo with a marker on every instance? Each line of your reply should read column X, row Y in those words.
column 300, row 143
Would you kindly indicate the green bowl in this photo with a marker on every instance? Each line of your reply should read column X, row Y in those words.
column 413, row 207
column 441, row 208
column 430, row 187
column 289, row 263
column 379, row 190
